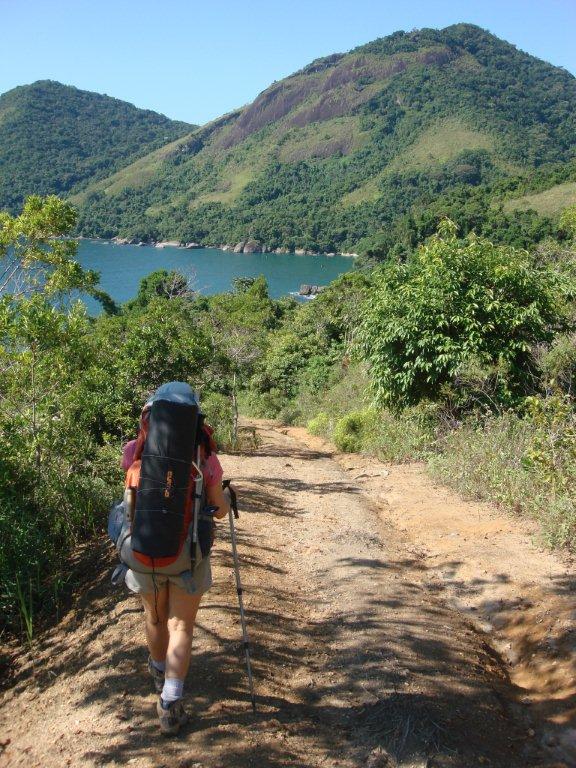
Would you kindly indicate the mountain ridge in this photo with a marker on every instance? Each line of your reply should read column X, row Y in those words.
column 346, row 146
column 54, row 138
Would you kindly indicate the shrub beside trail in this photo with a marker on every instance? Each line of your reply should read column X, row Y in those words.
column 72, row 387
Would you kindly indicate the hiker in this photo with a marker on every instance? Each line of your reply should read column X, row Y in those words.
column 171, row 594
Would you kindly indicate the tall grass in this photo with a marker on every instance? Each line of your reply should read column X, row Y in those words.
column 501, row 459
column 344, row 414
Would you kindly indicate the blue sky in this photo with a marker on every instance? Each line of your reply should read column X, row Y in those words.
column 196, row 60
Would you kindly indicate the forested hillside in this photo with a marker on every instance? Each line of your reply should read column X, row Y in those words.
column 346, row 147
column 54, row 138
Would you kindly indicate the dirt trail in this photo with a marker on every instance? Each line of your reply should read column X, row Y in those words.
column 490, row 567
column 359, row 659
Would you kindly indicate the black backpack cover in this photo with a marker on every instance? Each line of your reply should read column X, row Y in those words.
column 170, row 479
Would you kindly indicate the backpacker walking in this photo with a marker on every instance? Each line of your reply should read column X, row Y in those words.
column 173, row 492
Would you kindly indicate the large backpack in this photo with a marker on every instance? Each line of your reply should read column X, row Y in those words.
column 169, row 495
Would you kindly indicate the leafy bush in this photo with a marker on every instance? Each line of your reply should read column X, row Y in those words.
column 262, row 405
column 389, row 436
column 454, row 302
column 405, row 437
column 552, row 448
column 319, row 425
column 218, row 411
column 568, row 221
column 289, row 413
column 355, row 430
column 558, row 364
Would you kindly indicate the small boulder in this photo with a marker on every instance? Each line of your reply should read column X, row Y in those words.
column 310, row 290
column 168, row 244
column 252, row 246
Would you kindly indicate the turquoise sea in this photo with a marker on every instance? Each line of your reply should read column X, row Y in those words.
column 209, row 270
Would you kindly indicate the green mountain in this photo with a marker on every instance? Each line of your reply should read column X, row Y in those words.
column 354, row 146
column 55, row 138
column 347, row 145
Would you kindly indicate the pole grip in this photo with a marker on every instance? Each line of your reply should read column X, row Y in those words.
column 233, row 497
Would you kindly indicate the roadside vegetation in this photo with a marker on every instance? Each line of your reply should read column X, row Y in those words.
column 459, row 353
column 71, row 389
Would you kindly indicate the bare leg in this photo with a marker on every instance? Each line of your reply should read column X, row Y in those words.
column 156, row 620
column 182, row 610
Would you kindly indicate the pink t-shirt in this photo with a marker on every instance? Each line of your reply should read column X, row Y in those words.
column 212, row 471
column 128, row 455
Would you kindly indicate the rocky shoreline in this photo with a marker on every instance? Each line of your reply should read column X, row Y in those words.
column 243, row 246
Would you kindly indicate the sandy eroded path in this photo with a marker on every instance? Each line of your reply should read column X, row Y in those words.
column 357, row 662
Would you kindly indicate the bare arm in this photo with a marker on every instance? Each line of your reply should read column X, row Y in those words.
column 216, row 497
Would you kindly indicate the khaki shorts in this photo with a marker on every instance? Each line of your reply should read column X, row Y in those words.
column 145, row 583
column 142, row 579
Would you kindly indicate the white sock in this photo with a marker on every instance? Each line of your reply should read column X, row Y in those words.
column 173, row 690
column 159, row 665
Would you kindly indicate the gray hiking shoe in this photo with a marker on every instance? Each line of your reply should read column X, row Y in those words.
column 157, row 676
column 173, row 718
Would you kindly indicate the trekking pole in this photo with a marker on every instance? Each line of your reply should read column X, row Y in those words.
column 233, row 513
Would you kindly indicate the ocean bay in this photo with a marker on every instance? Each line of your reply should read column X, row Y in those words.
column 209, row 270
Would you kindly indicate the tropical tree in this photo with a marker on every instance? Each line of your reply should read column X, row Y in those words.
column 458, row 304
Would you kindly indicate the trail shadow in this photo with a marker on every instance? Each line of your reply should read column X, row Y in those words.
column 355, row 700
column 294, row 485
column 291, row 451
column 535, row 634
